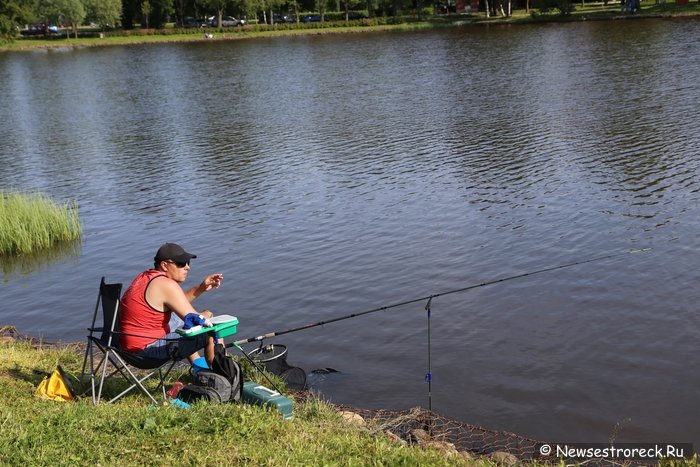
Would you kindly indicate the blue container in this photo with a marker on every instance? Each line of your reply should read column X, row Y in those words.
column 179, row 404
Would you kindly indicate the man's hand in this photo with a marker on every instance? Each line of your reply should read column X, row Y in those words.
column 212, row 281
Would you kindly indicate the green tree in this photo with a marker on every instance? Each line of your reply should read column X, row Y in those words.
column 146, row 11
column 61, row 11
column 13, row 14
column 219, row 6
column 370, row 7
column 294, row 5
column 321, row 8
column 73, row 13
column 179, row 6
column 249, row 8
column 270, row 6
column 131, row 12
column 161, row 10
column 104, row 13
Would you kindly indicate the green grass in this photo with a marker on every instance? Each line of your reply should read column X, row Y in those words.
column 131, row 432
column 33, row 222
column 170, row 36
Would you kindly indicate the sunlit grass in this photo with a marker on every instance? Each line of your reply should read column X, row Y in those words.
column 132, row 432
column 33, row 222
column 169, row 36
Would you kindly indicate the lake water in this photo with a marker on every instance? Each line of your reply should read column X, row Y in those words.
column 329, row 175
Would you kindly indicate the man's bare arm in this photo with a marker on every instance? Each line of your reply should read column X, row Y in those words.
column 210, row 282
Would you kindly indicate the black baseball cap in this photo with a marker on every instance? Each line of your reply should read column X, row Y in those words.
column 174, row 252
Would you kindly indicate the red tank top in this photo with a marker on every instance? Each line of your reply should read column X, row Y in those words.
column 139, row 322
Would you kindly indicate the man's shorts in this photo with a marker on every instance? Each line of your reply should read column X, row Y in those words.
column 173, row 345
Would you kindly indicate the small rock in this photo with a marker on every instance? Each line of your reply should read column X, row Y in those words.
column 466, row 455
column 448, row 449
column 394, row 437
column 504, row 458
column 419, row 436
column 352, row 417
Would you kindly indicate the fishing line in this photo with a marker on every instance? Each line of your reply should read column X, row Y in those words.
column 430, row 297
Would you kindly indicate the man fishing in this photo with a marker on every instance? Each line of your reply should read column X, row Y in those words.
column 154, row 297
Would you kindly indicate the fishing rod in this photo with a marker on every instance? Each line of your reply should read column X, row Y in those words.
column 430, row 297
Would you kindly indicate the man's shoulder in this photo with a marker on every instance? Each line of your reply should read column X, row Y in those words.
column 148, row 274
column 160, row 290
column 145, row 279
column 162, row 281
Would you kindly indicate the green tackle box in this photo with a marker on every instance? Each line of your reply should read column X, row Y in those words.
column 224, row 326
column 254, row 393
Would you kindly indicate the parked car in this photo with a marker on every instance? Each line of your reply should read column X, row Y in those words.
column 40, row 30
column 190, row 22
column 278, row 19
column 311, row 18
column 226, row 21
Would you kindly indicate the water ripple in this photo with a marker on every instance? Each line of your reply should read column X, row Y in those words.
column 324, row 179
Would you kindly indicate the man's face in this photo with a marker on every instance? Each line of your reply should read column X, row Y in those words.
column 175, row 270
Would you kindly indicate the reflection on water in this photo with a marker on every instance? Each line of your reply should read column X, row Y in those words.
column 28, row 263
column 330, row 175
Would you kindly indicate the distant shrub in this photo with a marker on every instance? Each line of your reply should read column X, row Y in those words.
column 564, row 7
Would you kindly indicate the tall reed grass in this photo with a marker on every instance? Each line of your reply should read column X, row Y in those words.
column 30, row 222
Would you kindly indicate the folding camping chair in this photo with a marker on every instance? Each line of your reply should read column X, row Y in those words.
column 106, row 339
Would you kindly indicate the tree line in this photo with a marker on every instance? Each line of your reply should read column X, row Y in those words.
column 15, row 14
column 128, row 14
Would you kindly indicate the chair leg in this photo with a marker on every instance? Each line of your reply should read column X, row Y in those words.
column 92, row 377
column 88, row 351
column 138, row 382
column 89, row 354
column 99, row 374
column 163, row 376
column 102, row 379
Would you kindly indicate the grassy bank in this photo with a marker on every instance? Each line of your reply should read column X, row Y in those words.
column 131, row 432
column 38, row 432
column 195, row 35
column 32, row 222
column 583, row 11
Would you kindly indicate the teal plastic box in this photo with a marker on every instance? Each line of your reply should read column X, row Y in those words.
column 224, row 326
column 254, row 393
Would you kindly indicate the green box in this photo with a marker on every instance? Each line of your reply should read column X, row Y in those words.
column 224, row 326
column 254, row 393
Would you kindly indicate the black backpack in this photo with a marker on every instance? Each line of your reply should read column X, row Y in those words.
column 208, row 386
column 223, row 383
column 226, row 366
